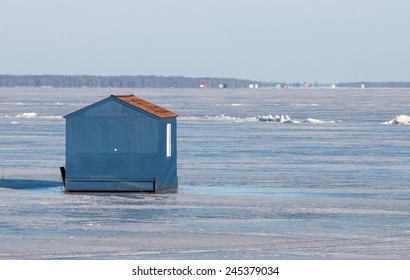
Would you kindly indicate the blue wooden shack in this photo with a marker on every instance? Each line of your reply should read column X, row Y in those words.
column 121, row 143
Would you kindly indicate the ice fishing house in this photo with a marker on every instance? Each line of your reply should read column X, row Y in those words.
column 121, row 143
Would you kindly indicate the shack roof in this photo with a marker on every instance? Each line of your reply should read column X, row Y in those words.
column 136, row 102
column 146, row 106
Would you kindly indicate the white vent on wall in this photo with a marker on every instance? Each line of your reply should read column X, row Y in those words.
column 168, row 140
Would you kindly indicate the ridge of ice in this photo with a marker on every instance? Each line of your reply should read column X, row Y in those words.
column 399, row 119
column 263, row 118
column 219, row 117
column 34, row 115
column 287, row 119
column 27, row 115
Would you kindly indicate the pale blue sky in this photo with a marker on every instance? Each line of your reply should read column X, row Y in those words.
column 271, row 40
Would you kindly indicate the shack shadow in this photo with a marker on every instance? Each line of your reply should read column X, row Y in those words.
column 25, row 184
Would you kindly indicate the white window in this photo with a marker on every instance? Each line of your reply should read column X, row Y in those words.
column 168, row 140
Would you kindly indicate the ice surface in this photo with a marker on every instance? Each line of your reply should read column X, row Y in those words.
column 248, row 189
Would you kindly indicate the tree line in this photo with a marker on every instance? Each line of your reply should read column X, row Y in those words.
column 151, row 81
column 78, row 81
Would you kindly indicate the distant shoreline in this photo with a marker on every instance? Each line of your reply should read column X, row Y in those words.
column 152, row 81
column 140, row 81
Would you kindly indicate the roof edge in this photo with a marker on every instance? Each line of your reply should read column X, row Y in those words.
column 87, row 107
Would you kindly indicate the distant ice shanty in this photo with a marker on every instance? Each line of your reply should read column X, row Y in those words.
column 121, row 143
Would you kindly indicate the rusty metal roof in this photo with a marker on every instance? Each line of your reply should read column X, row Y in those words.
column 146, row 106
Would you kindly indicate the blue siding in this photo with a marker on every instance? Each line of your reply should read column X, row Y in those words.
column 112, row 134
column 167, row 165
column 112, row 166
column 111, row 186
column 111, row 146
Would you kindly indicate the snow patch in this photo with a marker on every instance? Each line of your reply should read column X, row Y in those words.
column 230, row 105
column 305, row 105
column 12, row 103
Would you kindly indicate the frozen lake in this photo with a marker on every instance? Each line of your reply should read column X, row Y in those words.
column 333, row 185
